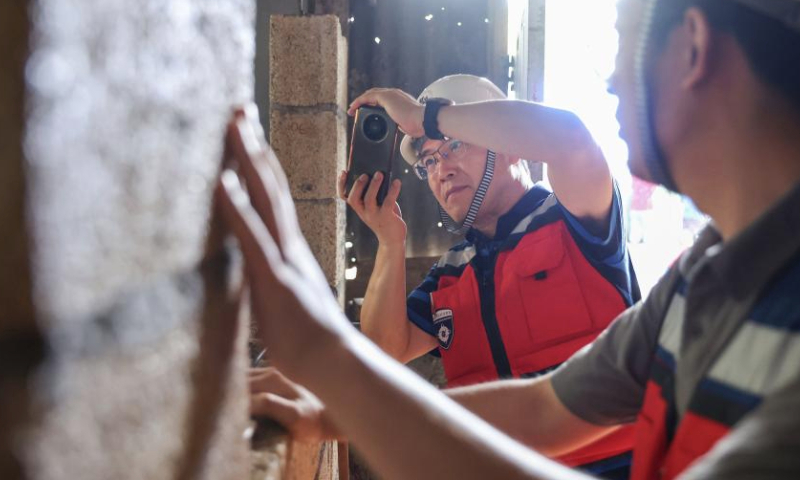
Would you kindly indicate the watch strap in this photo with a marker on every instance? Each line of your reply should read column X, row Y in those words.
column 430, row 120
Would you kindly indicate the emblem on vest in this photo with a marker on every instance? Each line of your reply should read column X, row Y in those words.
column 443, row 323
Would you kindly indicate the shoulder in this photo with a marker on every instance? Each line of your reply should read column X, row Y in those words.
column 544, row 211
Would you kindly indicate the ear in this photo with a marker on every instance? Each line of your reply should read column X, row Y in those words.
column 698, row 45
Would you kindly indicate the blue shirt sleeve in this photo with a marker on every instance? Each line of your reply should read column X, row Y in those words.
column 608, row 254
column 418, row 304
column 610, row 249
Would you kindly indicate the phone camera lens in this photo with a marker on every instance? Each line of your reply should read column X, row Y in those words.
column 375, row 127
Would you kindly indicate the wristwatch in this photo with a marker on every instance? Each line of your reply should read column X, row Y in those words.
column 430, row 120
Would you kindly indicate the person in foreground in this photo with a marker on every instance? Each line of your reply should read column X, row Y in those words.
column 707, row 366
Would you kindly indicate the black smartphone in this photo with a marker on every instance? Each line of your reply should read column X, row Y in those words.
column 372, row 148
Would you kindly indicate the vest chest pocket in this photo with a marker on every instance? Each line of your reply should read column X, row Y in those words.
column 547, row 287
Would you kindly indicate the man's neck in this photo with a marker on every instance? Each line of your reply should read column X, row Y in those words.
column 488, row 215
column 745, row 174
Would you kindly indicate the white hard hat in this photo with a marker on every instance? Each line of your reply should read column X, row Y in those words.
column 459, row 88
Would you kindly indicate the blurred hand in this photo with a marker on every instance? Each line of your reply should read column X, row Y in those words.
column 297, row 316
column 295, row 408
column 404, row 109
column 386, row 220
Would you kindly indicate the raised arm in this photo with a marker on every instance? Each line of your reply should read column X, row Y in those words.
column 577, row 169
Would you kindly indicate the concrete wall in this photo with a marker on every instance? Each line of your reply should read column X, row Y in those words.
column 308, row 95
column 264, row 9
column 107, row 179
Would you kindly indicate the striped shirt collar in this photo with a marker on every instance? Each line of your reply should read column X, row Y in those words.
column 509, row 220
column 748, row 261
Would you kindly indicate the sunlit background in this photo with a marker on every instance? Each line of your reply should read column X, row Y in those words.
column 577, row 68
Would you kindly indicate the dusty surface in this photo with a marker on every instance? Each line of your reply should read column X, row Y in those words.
column 126, row 105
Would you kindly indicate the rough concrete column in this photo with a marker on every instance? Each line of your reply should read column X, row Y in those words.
column 109, row 251
column 308, row 94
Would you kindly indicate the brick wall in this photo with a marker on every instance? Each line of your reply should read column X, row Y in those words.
column 308, row 95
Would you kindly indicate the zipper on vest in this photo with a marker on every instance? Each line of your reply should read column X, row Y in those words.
column 489, row 316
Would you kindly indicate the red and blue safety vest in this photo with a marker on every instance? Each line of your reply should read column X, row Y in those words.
column 522, row 303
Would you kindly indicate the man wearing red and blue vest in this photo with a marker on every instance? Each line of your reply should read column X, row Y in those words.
column 708, row 366
column 540, row 273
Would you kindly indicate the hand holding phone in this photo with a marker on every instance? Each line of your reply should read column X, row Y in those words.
column 372, row 148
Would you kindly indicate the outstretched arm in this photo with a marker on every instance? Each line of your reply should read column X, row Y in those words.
column 389, row 413
column 527, row 410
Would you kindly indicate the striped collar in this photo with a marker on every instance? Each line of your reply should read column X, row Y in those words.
column 748, row 261
column 509, row 220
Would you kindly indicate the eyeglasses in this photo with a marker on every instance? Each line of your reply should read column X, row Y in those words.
column 429, row 164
